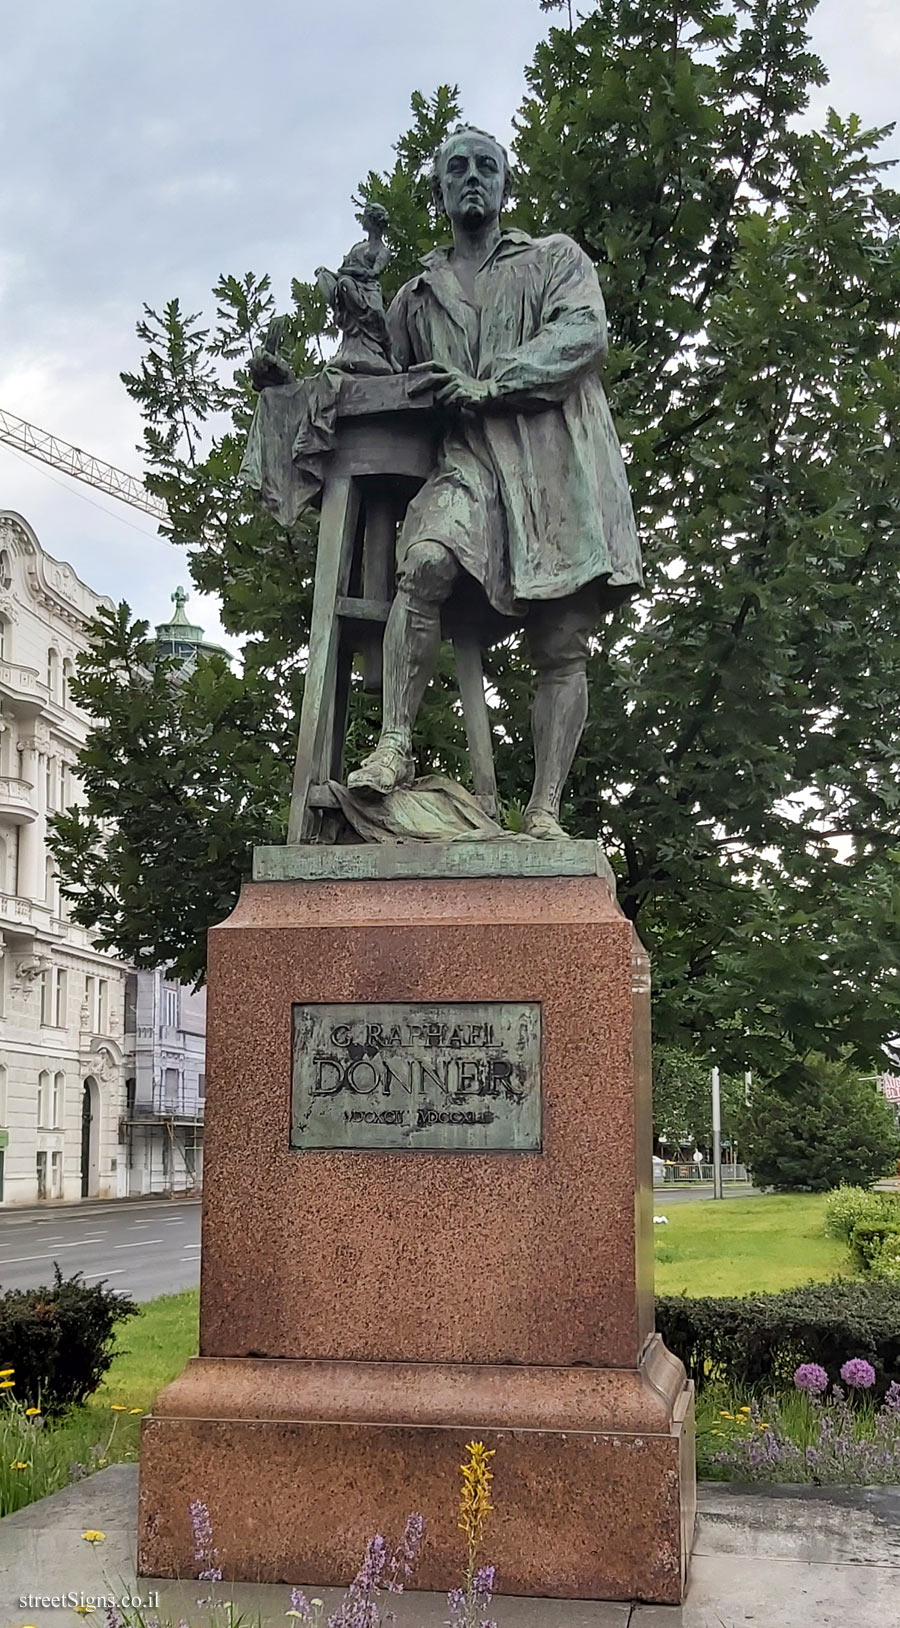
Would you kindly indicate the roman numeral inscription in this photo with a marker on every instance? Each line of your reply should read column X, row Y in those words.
column 457, row 1078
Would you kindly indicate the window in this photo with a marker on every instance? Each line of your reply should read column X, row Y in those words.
column 50, row 885
column 43, row 1098
column 170, row 1088
column 53, row 672
column 47, row 996
column 60, row 994
column 170, row 1007
column 66, row 680
column 3, row 1082
column 58, row 1103
column 50, row 782
column 96, row 1002
column 201, row 1085
column 4, row 639
column 5, row 569
column 56, row 1175
column 41, row 1171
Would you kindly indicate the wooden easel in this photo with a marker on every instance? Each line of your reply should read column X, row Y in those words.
column 385, row 448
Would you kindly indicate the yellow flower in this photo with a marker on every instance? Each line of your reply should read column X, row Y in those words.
column 726, row 1415
column 20, row 1464
column 135, row 1410
column 117, row 1407
column 317, row 1602
column 94, row 1537
column 83, row 1610
column 475, row 1500
column 32, row 1413
column 744, row 1410
column 6, row 1384
column 5, row 1372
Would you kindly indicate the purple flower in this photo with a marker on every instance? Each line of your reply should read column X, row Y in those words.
column 858, row 1374
column 811, row 1378
column 483, row 1584
column 404, row 1558
column 892, row 1399
column 300, row 1603
column 204, row 1553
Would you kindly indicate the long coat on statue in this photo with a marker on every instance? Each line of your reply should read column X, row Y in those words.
column 531, row 495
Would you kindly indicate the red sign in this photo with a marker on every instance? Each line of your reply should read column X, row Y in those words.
column 890, row 1085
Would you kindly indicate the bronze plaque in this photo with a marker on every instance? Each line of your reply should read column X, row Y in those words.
column 462, row 1077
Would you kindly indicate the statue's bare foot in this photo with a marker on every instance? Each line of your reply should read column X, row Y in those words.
column 540, row 823
column 383, row 771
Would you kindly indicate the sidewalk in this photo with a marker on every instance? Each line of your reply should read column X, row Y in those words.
column 783, row 1558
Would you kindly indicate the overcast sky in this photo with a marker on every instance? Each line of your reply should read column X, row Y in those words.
column 150, row 146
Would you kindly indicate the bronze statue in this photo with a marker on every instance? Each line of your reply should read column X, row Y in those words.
column 354, row 296
column 529, row 497
column 526, row 519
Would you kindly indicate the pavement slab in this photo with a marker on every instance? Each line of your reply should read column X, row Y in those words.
column 778, row 1557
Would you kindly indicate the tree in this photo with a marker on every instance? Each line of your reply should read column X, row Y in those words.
column 818, row 1124
column 742, row 755
column 682, row 1099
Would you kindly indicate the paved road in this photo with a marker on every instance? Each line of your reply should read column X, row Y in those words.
column 689, row 1193
column 144, row 1247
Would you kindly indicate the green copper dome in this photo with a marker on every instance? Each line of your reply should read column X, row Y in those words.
column 182, row 638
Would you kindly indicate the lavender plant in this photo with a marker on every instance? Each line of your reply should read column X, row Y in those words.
column 816, row 1435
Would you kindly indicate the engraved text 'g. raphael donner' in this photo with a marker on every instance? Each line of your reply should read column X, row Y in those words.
column 445, row 1077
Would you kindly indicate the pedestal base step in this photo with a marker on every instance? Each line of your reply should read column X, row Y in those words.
column 300, row 1463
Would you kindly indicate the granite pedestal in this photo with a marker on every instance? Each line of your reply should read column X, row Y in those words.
column 365, row 1313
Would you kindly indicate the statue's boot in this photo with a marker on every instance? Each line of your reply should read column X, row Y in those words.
column 412, row 640
column 383, row 771
column 558, row 717
column 540, row 823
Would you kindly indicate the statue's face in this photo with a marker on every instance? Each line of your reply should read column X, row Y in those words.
column 473, row 178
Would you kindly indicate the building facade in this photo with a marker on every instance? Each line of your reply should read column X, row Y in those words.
column 165, row 1083
column 62, row 1075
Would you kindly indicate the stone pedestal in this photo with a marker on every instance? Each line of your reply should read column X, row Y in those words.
column 365, row 1313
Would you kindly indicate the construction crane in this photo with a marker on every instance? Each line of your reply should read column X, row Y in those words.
column 49, row 449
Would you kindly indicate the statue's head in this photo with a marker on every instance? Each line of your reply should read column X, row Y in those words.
column 374, row 217
column 471, row 176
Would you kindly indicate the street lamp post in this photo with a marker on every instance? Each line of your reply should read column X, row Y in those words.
column 717, row 1135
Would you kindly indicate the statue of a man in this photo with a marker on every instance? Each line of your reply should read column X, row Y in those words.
column 528, row 506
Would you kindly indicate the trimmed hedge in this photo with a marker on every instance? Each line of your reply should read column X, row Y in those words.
column 59, row 1340
column 762, row 1339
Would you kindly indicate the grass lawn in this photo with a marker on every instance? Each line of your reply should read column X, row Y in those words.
column 745, row 1245
column 152, row 1348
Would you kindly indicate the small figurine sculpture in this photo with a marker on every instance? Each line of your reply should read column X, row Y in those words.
column 354, row 295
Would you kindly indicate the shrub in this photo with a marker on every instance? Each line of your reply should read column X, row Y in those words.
column 816, row 1125
column 59, row 1341
column 886, row 1265
column 847, row 1206
column 868, row 1240
column 763, row 1339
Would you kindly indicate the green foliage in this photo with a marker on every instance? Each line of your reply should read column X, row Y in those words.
column 869, row 1239
column 742, row 755
column 846, row 1207
column 59, row 1340
column 182, row 773
column 682, row 1098
column 763, row 1339
column 816, row 1125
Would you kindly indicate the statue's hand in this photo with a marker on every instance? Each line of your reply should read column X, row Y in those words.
column 267, row 369
column 451, row 387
